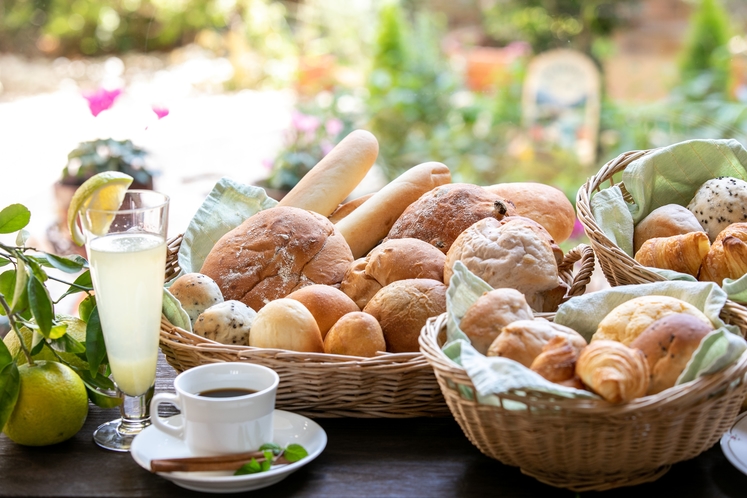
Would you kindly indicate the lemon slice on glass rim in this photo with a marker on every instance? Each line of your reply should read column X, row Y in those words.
column 103, row 191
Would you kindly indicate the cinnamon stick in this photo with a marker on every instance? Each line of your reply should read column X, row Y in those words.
column 203, row 464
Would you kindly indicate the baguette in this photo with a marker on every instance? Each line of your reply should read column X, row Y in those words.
column 332, row 179
column 345, row 209
column 372, row 220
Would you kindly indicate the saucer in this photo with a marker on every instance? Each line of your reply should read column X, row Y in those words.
column 289, row 427
column 734, row 443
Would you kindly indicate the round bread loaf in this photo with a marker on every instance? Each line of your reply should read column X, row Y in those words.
column 403, row 307
column 523, row 340
column 355, row 334
column 546, row 205
column 286, row 324
column 492, row 311
column 665, row 221
column 196, row 293
column 328, row 304
column 227, row 322
column 626, row 322
column 668, row 344
column 275, row 252
column 718, row 203
column 441, row 214
column 393, row 260
column 514, row 252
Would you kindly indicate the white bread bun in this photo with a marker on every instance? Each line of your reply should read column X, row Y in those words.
column 492, row 311
column 227, row 322
column 524, row 340
column 718, row 203
column 665, row 221
column 403, row 307
column 355, row 334
column 286, row 324
column 542, row 203
column 196, row 293
column 275, row 252
column 328, row 304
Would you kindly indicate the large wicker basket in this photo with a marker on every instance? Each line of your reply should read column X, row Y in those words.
column 587, row 445
column 390, row 385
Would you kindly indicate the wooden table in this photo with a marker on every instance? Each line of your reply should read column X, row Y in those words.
column 428, row 457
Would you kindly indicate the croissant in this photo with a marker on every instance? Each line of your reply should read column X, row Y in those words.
column 557, row 361
column 727, row 257
column 613, row 370
column 682, row 253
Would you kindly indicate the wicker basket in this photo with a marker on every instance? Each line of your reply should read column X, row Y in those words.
column 590, row 445
column 390, row 385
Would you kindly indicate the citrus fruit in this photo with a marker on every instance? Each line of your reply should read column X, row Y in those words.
column 76, row 328
column 52, row 405
column 103, row 191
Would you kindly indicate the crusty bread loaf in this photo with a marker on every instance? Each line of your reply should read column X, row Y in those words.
column 348, row 207
column 330, row 181
column 395, row 259
column 328, row 304
column 286, row 324
column 275, row 252
column 613, row 370
column 441, row 214
column 367, row 225
column 665, row 221
column 492, row 311
column 355, row 334
column 403, row 307
column 626, row 322
column 524, row 339
column 668, row 344
column 542, row 203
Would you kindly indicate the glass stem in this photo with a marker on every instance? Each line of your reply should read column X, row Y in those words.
column 135, row 412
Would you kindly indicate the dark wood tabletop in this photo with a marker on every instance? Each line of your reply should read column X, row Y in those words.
column 427, row 457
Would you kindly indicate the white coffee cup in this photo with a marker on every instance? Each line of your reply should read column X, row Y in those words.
column 220, row 425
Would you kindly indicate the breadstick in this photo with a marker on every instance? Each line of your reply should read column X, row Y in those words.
column 345, row 209
column 333, row 178
column 372, row 220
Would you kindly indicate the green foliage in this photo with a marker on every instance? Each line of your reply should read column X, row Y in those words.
column 100, row 155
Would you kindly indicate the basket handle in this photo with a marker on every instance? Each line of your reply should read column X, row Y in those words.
column 585, row 254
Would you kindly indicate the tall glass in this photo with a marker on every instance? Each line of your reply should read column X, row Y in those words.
column 127, row 255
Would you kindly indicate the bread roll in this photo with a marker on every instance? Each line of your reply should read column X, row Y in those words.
column 403, row 307
column 492, row 311
column 508, row 253
column 727, row 256
column 523, row 340
column 393, row 260
column 440, row 215
column 330, row 181
column 328, row 304
column 683, row 253
column 348, row 207
column 668, row 344
column 286, row 324
column 355, row 334
column 557, row 361
column 546, row 205
column 370, row 223
column 665, row 221
column 275, row 252
column 227, row 322
column 614, row 371
column 196, row 293
column 626, row 322
column 718, row 203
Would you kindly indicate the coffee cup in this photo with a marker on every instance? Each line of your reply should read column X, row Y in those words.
column 225, row 407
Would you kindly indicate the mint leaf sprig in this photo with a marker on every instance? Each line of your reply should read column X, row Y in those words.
column 272, row 454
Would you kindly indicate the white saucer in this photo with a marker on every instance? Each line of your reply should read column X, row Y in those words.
column 734, row 443
column 288, row 428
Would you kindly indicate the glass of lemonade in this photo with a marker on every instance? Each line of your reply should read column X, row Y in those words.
column 127, row 255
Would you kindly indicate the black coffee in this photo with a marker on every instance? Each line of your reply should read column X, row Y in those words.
column 230, row 392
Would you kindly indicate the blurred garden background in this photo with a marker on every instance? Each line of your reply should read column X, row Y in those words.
column 260, row 90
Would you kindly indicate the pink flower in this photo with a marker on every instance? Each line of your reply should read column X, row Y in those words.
column 267, row 164
column 333, row 126
column 578, row 230
column 101, row 100
column 326, row 147
column 304, row 123
column 161, row 112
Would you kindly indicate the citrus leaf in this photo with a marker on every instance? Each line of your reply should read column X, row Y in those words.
column 295, row 452
column 41, row 306
column 37, row 270
column 10, row 386
column 4, row 261
column 84, row 280
column 19, row 292
column 97, row 380
column 67, row 344
column 94, row 388
column 37, row 343
column 14, row 218
column 5, row 356
column 86, row 307
column 95, row 346
column 22, row 237
column 71, row 264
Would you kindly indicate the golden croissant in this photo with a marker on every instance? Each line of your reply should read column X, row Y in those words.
column 682, row 253
column 613, row 370
column 557, row 361
column 727, row 257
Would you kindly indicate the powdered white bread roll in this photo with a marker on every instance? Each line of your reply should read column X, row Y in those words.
column 345, row 209
column 228, row 322
column 331, row 180
column 367, row 225
column 492, row 311
column 286, row 324
column 542, row 203
column 196, row 293
column 665, row 221
column 328, row 304
column 626, row 322
column 355, row 334
column 718, row 203
column 523, row 340
column 403, row 307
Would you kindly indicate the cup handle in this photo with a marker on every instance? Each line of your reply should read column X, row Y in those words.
column 174, row 430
